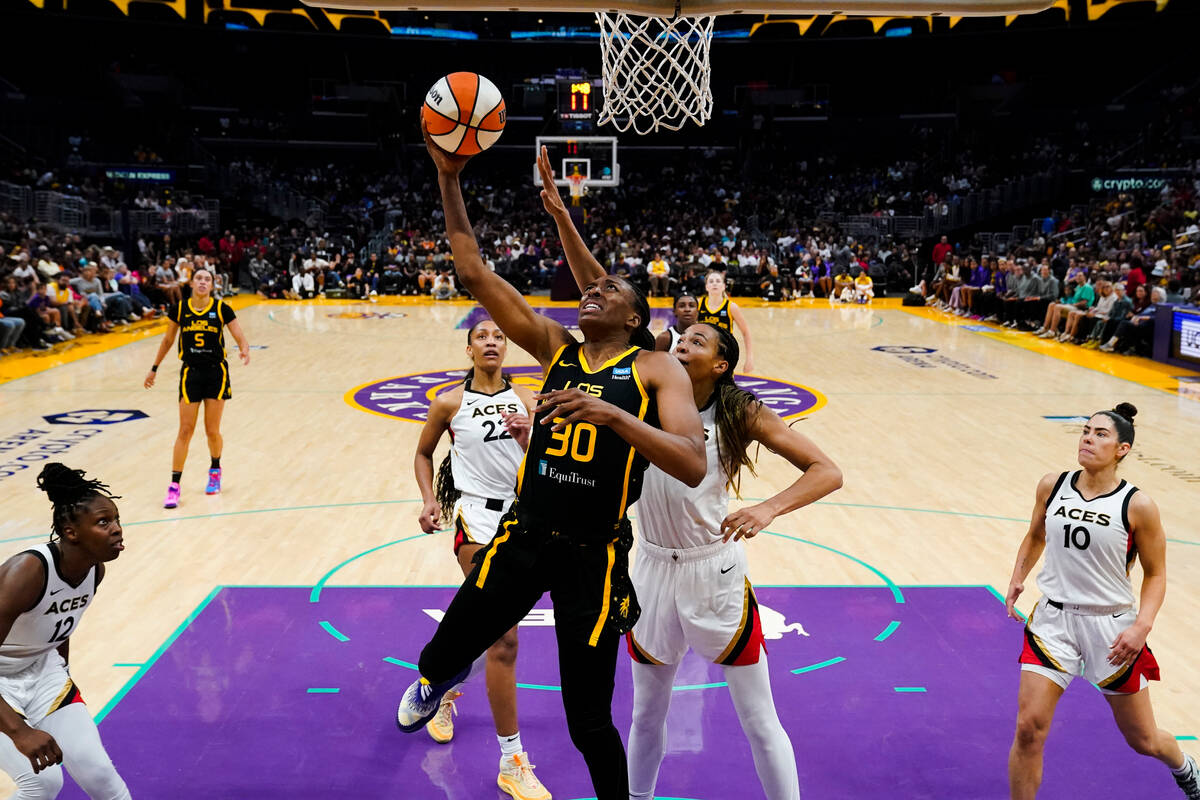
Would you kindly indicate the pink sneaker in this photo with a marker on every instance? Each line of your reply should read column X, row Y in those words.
column 214, row 482
column 172, row 496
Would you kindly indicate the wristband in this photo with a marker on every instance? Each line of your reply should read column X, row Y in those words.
column 154, row 367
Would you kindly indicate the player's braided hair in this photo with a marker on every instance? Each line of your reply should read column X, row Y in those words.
column 733, row 421
column 69, row 491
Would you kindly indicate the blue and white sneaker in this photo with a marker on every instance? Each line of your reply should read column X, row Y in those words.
column 422, row 700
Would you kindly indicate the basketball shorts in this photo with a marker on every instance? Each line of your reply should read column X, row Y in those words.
column 697, row 597
column 476, row 519
column 587, row 574
column 1062, row 644
column 40, row 689
column 204, row 382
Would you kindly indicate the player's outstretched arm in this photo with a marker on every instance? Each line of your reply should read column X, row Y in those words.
column 584, row 266
column 821, row 476
column 22, row 579
column 538, row 335
column 1032, row 545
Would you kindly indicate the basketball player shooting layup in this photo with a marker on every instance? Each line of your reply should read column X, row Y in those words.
column 1092, row 527
column 607, row 408
column 691, row 571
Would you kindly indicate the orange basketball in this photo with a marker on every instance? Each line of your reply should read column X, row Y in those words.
column 464, row 113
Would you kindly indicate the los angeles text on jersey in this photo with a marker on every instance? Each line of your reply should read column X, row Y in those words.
column 1083, row 515
column 202, row 326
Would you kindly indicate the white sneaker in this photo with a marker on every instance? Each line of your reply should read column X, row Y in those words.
column 517, row 779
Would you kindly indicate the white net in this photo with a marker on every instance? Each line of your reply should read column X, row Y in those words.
column 656, row 71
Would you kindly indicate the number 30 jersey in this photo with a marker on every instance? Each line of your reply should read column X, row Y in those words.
column 52, row 619
column 483, row 457
column 585, row 477
column 1089, row 548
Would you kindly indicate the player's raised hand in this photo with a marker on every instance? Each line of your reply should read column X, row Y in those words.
column 551, row 198
column 447, row 163
column 38, row 746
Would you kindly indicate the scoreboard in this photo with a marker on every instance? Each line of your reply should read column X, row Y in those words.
column 577, row 98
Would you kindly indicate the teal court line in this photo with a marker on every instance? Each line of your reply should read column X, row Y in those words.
column 128, row 664
column 540, row 686
column 315, row 595
column 399, row 663
column 144, row 668
column 823, row 664
column 1185, row 738
column 888, row 631
column 910, row 689
column 690, row 687
column 896, row 593
column 324, row 691
column 334, row 632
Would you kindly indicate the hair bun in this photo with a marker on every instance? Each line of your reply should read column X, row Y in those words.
column 59, row 481
column 1126, row 410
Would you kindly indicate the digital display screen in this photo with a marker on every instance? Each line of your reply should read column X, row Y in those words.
column 1185, row 335
column 576, row 100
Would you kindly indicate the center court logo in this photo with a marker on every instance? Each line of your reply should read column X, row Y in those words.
column 408, row 397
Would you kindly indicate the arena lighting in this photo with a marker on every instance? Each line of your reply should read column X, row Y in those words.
column 433, row 33
column 667, row 8
column 893, row 33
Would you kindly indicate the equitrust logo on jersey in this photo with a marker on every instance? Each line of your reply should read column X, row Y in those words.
column 407, row 397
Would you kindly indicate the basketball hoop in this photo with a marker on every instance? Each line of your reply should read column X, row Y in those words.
column 576, row 188
column 656, row 70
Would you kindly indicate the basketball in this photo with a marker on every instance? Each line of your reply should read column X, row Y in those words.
column 464, row 113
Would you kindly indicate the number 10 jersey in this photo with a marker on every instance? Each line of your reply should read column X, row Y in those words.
column 1089, row 548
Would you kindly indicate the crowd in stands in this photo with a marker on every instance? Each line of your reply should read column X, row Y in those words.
column 1097, row 285
column 1084, row 278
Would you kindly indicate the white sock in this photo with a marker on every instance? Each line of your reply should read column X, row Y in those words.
column 774, row 758
column 510, row 745
column 1184, row 768
column 648, row 733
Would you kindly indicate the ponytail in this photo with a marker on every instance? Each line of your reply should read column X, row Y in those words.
column 733, row 414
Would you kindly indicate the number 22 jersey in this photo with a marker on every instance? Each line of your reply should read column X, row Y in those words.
column 585, row 477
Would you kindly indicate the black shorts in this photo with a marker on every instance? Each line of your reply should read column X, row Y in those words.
column 204, row 382
column 587, row 575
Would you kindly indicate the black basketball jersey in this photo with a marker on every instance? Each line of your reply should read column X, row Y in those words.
column 718, row 316
column 585, row 476
column 202, row 333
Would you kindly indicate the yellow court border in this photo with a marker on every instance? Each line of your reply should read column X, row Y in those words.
column 1142, row 371
column 23, row 365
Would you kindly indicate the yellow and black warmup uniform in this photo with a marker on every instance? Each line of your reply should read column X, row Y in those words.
column 567, row 534
column 205, row 372
column 718, row 316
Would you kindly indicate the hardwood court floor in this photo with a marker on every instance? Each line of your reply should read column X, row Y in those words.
column 942, row 430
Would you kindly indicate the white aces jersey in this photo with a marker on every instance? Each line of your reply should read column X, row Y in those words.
column 675, row 337
column 483, row 457
column 54, row 618
column 672, row 514
column 1089, row 549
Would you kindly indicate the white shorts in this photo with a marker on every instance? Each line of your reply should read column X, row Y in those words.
column 1062, row 644
column 40, row 689
column 476, row 519
column 696, row 597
